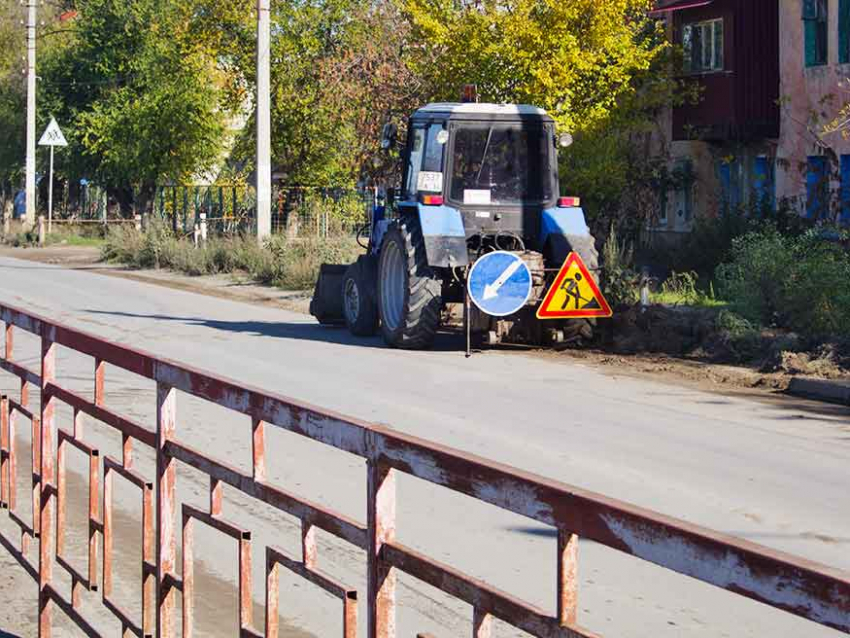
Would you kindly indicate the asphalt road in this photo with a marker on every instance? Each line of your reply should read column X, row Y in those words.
column 772, row 471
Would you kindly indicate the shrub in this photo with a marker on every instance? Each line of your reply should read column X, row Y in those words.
column 289, row 263
column 817, row 294
column 791, row 282
column 619, row 278
column 753, row 281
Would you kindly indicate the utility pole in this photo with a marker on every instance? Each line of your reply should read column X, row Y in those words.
column 264, row 168
column 32, row 24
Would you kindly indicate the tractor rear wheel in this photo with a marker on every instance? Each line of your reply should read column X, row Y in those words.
column 409, row 291
column 358, row 297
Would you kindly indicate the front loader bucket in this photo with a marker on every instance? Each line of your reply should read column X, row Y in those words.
column 326, row 305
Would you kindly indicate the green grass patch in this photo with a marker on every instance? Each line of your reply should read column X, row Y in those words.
column 80, row 240
column 681, row 289
column 78, row 236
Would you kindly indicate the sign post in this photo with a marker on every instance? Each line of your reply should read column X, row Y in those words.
column 52, row 137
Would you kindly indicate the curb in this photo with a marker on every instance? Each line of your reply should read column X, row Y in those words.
column 821, row 390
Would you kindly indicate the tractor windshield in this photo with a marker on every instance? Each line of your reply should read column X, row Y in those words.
column 501, row 164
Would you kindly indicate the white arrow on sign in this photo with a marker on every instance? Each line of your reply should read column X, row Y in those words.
column 53, row 135
column 492, row 290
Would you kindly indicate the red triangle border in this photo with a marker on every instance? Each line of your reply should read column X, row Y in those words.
column 604, row 311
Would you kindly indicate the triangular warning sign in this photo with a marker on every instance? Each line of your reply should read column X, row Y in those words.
column 574, row 294
column 53, row 135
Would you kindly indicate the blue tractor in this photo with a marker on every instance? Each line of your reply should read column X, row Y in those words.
column 476, row 178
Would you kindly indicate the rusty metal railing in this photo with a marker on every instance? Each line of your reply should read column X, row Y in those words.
column 806, row 589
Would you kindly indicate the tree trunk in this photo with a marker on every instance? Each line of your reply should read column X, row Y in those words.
column 144, row 199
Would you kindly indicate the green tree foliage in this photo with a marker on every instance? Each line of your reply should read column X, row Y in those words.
column 340, row 69
column 144, row 88
column 576, row 58
column 12, row 94
column 141, row 96
column 601, row 69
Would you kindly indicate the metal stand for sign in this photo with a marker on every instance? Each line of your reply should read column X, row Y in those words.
column 467, row 323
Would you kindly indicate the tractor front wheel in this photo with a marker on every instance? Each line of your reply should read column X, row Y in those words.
column 409, row 291
column 358, row 297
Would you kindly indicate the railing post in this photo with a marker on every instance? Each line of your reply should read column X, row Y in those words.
column 258, row 449
column 137, row 222
column 5, row 453
column 41, row 230
column 482, row 624
column 203, row 228
column 272, row 596
column 567, row 578
column 188, row 577
column 380, row 517
column 166, row 512
column 46, row 511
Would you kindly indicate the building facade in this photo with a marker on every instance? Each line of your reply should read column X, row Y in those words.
column 769, row 75
column 813, row 170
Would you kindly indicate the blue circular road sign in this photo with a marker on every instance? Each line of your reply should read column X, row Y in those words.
column 499, row 283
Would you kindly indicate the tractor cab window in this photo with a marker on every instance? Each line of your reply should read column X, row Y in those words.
column 414, row 161
column 425, row 165
column 501, row 164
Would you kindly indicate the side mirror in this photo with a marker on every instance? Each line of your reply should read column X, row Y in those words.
column 390, row 197
column 565, row 140
column 388, row 136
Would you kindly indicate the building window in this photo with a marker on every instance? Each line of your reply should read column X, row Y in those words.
column 683, row 203
column 816, row 31
column 703, row 45
column 845, row 189
column 844, row 31
column 817, row 187
column 764, row 190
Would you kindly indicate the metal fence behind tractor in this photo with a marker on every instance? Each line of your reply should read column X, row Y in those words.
column 801, row 587
column 297, row 211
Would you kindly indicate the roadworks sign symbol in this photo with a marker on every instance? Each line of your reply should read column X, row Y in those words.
column 574, row 294
column 53, row 135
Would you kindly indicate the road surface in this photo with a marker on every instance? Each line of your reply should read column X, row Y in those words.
column 774, row 472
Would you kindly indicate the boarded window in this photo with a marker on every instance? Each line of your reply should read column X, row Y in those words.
column 703, row 45
column 729, row 172
column 764, row 190
column 817, row 187
column 816, row 31
column 845, row 189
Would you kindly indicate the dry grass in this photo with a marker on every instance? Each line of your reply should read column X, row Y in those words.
column 292, row 264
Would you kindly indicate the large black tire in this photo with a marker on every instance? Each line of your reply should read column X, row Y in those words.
column 409, row 291
column 359, row 305
column 557, row 249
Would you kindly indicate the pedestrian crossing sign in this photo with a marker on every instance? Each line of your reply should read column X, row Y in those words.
column 574, row 294
column 53, row 135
